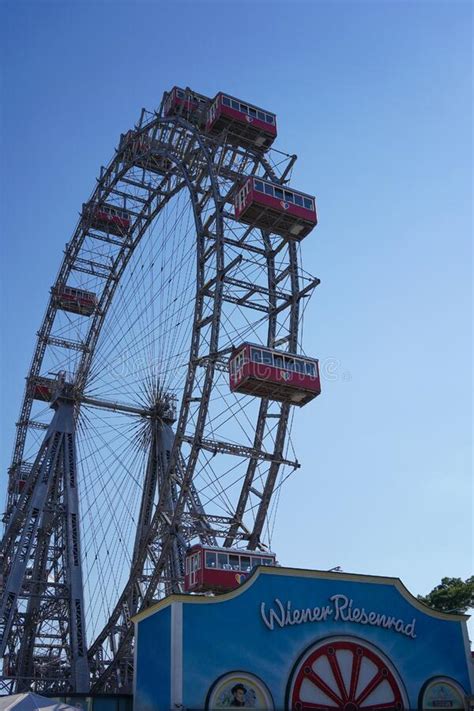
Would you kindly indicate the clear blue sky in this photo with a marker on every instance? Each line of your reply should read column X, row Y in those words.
column 375, row 98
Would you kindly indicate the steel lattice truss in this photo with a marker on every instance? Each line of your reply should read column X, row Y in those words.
column 147, row 450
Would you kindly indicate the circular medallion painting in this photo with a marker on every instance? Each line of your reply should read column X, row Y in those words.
column 442, row 693
column 239, row 689
column 345, row 673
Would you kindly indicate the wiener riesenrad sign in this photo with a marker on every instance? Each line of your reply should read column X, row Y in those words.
column 340, row 608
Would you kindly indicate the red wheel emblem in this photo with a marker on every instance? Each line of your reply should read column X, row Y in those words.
column 285, row 205
column 345, row 674
column 249, row 119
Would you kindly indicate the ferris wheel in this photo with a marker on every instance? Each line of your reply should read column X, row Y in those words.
column 158, row 405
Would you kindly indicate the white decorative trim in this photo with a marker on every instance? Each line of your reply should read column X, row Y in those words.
column 176, row 655
column 469, row 659
column 135, row 667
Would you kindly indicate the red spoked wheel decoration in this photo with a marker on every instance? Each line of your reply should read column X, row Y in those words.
column 345, row 674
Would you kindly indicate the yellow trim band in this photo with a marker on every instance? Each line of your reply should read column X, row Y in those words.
column 201, row 599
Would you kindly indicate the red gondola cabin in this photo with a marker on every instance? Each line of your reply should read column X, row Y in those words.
column 107, row 218
column 43, row 388
column 144, row 152
column 186, row 103
column 249, row 124
column 275, row 208
column 17, row 477
column 263, row 372
column 215, row 569
column 77, row 301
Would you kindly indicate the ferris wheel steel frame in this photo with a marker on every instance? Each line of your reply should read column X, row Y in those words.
column 210, row 169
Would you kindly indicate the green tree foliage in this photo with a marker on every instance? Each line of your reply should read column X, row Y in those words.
column 453, row 595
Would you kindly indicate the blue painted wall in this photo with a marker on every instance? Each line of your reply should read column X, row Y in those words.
column 152, row 674
column 425, row 646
